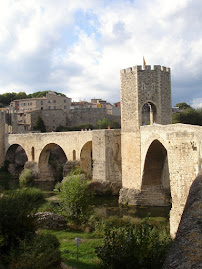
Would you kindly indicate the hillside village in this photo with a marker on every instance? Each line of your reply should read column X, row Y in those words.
column 57, row 110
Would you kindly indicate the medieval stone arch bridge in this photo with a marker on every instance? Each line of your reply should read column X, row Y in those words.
column 155, row 161
column 170, row 159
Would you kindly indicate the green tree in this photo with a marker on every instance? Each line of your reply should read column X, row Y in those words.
column 103, row 124
column 141, row 247
column 39, row 124
column 188, row 116
column 182, row 105
column 26, row 178
column 17, row 210
column 75, row 198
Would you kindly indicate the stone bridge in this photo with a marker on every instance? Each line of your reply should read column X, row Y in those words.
column 170, row 160
column 98, row 152
column 156, row 161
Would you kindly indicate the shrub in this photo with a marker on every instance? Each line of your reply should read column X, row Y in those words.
column 42, row 252
column 39, row 124
column 17, row 216
column 128, row 248
column 75, row 198
column 26, row 178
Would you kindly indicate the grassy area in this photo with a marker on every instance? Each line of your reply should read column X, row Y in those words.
column 87, row 256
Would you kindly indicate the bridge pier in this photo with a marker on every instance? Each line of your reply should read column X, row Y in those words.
column 107, row 155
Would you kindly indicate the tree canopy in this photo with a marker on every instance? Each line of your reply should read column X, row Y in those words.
column 6, row 98
column 182, row 105
column 39, row 124
column 187, row 115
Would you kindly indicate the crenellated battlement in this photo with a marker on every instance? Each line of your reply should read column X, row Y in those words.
column 146, row 68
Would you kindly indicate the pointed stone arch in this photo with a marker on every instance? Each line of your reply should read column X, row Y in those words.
column 156, row 177
column 149, row 113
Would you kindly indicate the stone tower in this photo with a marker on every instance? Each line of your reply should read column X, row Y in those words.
column 2, row 136
column 145, row 99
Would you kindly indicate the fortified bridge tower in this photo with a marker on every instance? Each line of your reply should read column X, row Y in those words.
column 145, row 100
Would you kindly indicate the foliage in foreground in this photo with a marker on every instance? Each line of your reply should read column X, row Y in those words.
column 17, row 222
column 129, row 248
column 42, row 252
column 26, row 178
column 75, row 198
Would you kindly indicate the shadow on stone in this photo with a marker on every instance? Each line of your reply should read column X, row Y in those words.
column 186, row 250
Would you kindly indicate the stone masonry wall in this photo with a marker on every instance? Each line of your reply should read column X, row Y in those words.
column 89, row 115
column 107, row 155
column 183, row 145
column 130, row 135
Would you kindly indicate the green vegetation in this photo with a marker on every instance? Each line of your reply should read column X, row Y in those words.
column 6, row 98
column 75, row 198
column 39, row 125
column 140, row 247
column 80, row 127
column 87, row 256
column 20, row 247
column 42, row 252
column 26, row 178
column 182, row 106
column 108, row 243
column 187, row 115
column 101, row 124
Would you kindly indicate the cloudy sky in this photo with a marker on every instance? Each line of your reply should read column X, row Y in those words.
column 78, row 47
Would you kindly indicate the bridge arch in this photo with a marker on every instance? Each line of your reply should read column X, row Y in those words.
column 51, row 161
column 17, row 157
column 156, row 176
column 86, row 158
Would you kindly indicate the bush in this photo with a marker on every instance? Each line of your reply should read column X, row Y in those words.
column 75, row 198
column 42, row 252
column 17, row 216
column 39, row 125
column 128, row 248
column 26, row 178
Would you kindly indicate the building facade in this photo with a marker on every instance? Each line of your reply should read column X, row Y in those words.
column 51, row 101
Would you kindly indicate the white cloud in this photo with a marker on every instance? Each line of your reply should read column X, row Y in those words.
column 197, row 103
column 42, row 46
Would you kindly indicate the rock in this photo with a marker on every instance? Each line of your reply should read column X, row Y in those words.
column 186, row 250
column 48, row 220
column 69, row 166
column 105, row 187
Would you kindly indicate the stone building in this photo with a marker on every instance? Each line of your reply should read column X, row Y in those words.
column 51, row 101
column 52, row 118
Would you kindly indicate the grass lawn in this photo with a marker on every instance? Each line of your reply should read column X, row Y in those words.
column 87, row 256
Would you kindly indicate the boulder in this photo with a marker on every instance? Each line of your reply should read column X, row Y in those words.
column 49, row 220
